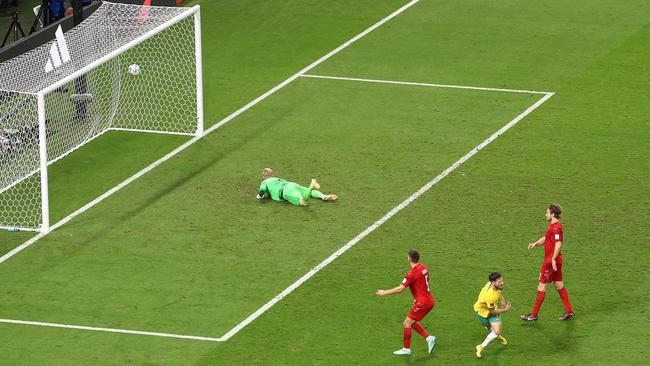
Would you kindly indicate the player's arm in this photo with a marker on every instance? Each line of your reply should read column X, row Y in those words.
column 494, row 310
column 537, row 243
column 556, row 252
column 392, row 291
column 261, row 193
column 502, row 300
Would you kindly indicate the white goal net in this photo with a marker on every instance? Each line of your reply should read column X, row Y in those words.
column 125, row 67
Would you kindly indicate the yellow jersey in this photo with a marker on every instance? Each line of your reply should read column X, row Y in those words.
column 487, row 299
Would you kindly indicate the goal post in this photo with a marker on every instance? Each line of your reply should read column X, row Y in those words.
column 42, row 154
column 124, row 68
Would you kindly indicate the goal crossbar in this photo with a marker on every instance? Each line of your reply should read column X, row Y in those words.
column 192, row 11
column 79, row 89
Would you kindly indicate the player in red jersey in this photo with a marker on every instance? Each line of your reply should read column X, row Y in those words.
column 417, row 280
column 552, row 267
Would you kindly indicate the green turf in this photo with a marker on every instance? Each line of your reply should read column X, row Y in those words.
column 199, row 241
column 187, row 249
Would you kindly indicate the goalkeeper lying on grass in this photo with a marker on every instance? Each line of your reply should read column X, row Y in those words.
column 279, row 189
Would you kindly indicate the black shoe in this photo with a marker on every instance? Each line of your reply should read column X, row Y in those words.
column 528, row 317
column 567, row 316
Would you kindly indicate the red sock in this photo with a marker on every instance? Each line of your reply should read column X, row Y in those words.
column 418, row 328
column 538, row 302
column 407, row 337
column 565, row 299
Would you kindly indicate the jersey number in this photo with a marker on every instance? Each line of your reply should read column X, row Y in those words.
column 426, row 278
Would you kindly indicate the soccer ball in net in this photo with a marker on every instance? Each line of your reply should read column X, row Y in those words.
column 134, row 69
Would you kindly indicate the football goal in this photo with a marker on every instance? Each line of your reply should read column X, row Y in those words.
column 125, row 67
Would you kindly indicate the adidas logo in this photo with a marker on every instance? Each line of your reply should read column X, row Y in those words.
column 59, row 53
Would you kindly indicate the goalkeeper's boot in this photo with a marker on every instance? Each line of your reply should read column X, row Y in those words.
column 403, row 352
column 479, row 351
column 502, row 339
column 330, row 197
column 314, row 184
column 567, row 316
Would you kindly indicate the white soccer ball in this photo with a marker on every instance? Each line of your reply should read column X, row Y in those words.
column 134, row 69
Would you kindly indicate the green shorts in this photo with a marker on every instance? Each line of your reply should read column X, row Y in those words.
column 293, row 193
column 494, row 318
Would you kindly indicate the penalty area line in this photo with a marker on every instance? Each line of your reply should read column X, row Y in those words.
column 382, row 220
column 424, row 84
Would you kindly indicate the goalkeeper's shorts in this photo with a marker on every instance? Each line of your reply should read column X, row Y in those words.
column 293, row 193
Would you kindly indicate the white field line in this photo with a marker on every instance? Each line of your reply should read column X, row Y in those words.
column 426, row 84
column 151, row 131
column 111, row 330
column 18, row 228
column 382, row 220
column 144, row 171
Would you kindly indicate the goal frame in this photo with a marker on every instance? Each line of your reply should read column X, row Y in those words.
column 193, row 11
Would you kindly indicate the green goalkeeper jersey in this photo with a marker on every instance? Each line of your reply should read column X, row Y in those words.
column 273, row 186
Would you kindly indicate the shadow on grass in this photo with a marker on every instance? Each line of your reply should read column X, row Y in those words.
column 560, row 342
column 183, row 179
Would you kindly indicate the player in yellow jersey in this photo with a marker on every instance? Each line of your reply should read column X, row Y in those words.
column 488, row 313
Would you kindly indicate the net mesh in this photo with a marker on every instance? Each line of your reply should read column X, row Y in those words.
column 110, row 27
column 20, row 186
column 159, row 94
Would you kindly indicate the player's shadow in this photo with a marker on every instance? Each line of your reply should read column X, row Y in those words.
column 422, row 357
column 426, row 359
column 565, row 341
column 561, row 342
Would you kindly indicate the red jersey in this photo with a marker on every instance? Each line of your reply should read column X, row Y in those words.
column 417, row 280
column 553, row 235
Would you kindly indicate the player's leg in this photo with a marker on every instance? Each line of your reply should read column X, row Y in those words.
column 292, row 194
column 312, row 192
column 486, row 323
column 421, row 331
column 324, row 197
column 561, row 290
column 539, row 300
column 545, row 278
column 495, row 333
column 406, row 350
column 431, row 340
column 496, row 326
column 306, row 192
column 417, row 313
